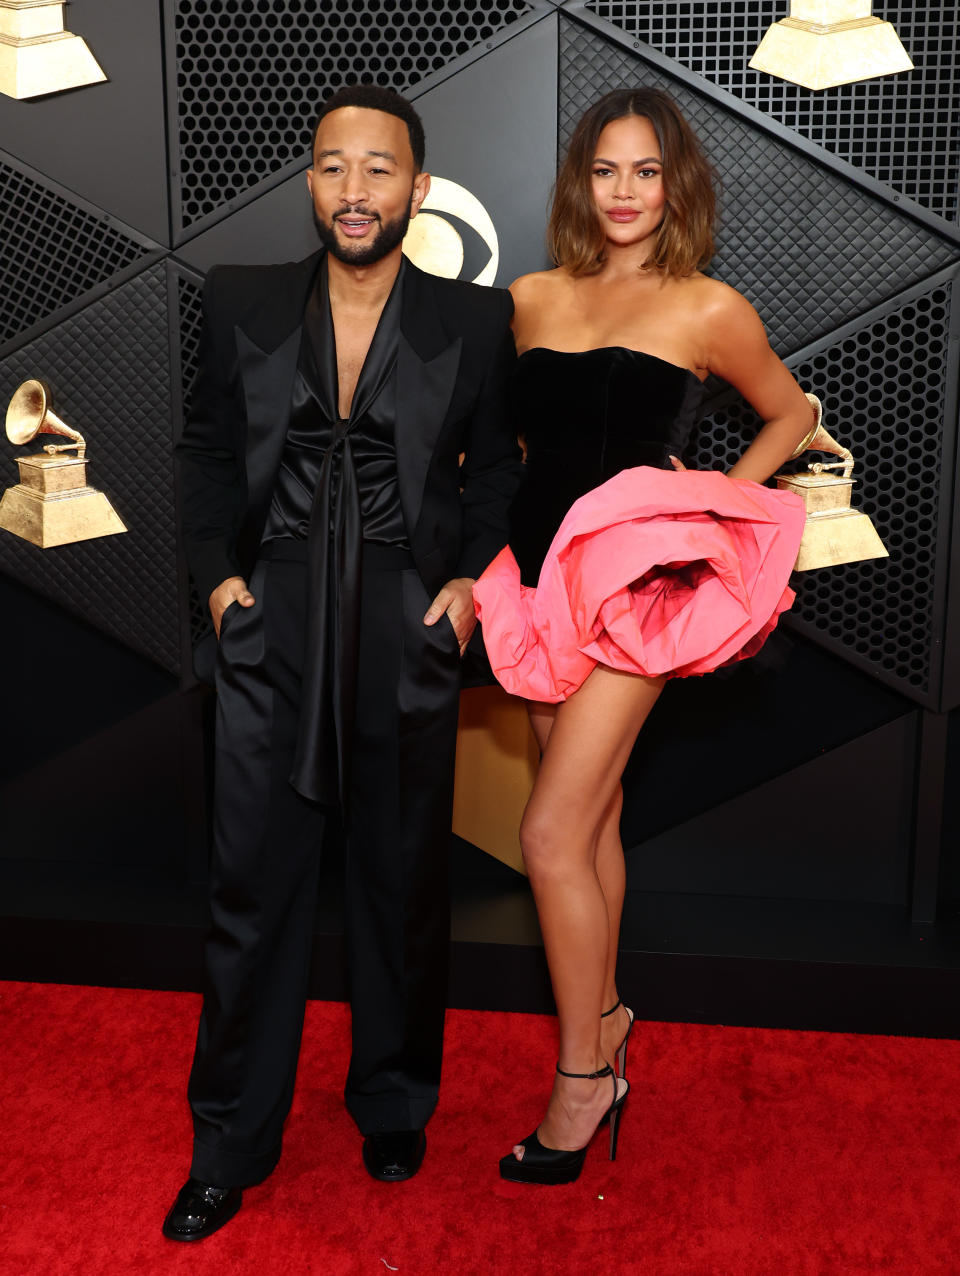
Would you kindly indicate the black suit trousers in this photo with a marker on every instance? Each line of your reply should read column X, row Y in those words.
column 264, row 875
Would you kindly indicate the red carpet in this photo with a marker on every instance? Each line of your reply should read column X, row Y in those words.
column 741, row 1151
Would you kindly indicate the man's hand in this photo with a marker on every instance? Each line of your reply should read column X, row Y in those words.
column 232, row 590
column 456, row 599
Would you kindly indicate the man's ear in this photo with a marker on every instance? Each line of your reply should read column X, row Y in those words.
column 310, row 181
column 421, row 189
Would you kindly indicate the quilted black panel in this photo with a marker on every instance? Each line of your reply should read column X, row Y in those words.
column 810, row 251
column 251, row 77
column 53, row 251
column 876, row 124
column 189, row 318
column 108, row 368
column 189, row 315
column 885, row 396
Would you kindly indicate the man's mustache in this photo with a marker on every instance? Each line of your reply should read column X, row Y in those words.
column 356, row 212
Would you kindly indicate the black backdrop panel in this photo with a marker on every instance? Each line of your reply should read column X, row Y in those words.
column 185, row 291
column 898, row 413
column 108, row 368
column 779, row 840
column 809, row 249
column 54, row 250
column 901, row 129
column 274, row 226
column 249, row 78
column 105, row 141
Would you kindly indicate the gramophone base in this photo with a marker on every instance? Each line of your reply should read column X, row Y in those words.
column 59, row 518
column 47, row 65
column 821, row 56
column 832, row 539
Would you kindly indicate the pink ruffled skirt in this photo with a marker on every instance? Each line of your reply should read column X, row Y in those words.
column 654, row 572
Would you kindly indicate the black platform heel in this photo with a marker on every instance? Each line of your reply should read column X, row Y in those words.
column 557, row 1165
column 620, row 1055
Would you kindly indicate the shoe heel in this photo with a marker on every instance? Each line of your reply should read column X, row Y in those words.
column 615, row 1129
column 621, row 1058
column 614, row 1114
column 620, row 1054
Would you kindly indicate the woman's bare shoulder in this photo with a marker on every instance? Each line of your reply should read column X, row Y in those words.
column 717, row 301
column 539, row 283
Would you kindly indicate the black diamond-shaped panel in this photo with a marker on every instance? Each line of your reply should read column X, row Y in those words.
column 52, row 252
column 190, row 316
column 251, row 77
column 108, row 368
column 885, row 397
column 810, row 250
column 902, row 129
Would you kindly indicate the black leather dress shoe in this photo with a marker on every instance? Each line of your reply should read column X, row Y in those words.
column 394, row 1156
column 200, row 1210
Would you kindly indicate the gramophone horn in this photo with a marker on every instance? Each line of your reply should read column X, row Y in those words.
column 834, row 532
column 819, row 439
column 807, row 440
column 28, row 415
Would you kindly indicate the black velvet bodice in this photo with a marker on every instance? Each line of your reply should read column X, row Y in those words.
column 585, row 416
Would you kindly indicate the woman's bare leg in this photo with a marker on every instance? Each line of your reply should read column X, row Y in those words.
column 612, row 876
column 573, row 800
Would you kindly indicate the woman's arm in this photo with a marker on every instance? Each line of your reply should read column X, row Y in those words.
column 738, row 351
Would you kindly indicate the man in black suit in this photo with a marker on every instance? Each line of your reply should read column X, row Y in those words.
column 346, row 472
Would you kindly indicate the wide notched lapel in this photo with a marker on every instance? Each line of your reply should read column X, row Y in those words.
column 428, row 362
column 267, row 378
column 268, row 347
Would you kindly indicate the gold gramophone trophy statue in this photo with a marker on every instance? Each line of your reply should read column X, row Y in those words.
column 52, row 504
column 834, row 533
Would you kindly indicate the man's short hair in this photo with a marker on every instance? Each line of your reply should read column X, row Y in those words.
column 375, row 98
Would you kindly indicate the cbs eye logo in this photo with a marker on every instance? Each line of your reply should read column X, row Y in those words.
column 453, row 235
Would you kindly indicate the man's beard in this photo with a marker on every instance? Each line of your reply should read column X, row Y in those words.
column 388, row 237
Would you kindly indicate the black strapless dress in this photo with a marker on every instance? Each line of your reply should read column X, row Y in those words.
column 586, row 417
column 615, row 557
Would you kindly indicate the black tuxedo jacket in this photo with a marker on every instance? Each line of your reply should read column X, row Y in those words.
column 455, row 355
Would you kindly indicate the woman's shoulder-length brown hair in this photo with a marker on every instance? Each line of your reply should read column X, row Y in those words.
column 685, row 240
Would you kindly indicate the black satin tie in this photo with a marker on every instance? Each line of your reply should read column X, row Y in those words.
column 335, row 558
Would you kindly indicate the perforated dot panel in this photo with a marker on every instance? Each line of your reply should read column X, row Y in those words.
column 901, row 129
column 890, row 380
column 53, row 251
column 885, row 396
column 809, row 249
column 251, row 76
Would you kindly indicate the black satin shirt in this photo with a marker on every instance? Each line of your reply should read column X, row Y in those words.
column 315, row 425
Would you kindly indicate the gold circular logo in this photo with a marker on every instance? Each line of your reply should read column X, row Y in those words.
column 434, row 244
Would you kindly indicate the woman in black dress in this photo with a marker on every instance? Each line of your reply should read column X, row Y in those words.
column 614, row 345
